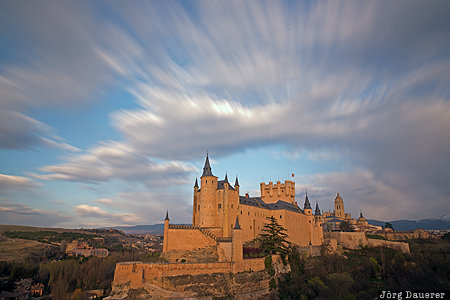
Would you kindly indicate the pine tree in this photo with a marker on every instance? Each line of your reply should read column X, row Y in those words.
column 274, row 238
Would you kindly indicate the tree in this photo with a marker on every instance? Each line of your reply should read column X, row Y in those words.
column 59, row 288
column 274, row 238
column 388, row 225
column 346, row 226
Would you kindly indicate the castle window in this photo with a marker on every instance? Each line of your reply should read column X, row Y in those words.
column 220, row 206
column 231, row 205
column 280, row 216
column 206, row 181
column 249, row 213
column 250, row 226
column 241, row 212
column 199, row 208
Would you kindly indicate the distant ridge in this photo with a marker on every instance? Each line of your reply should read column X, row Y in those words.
column 139, row 229
column 442, row 222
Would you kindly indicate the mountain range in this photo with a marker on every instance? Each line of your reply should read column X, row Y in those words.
column 442, row 222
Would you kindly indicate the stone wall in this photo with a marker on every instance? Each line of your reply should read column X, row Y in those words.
column 188, row 239
column 403, row 247
column 243, row 285
column 137, row 273
column 356, row 240
column 207, row 254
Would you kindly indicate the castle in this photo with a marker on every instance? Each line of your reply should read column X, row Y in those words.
column 222, row 221
column 218, row 209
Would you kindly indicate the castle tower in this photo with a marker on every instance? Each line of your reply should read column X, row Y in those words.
column 236, row 185
column 166, row 232
column 207, row 206
column 317, row 215
column 237, row 243
column 307, row 206
column 226, row 208
column 271, row 193
column 339, row 211
column 195, row 205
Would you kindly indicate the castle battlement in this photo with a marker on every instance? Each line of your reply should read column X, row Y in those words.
column 271, row 193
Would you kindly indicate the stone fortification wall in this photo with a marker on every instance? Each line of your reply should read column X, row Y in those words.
column 136, row 274
column 244, row 285
column 404, row 247
column 188, row 238
column 208, row 254
column 355, row 240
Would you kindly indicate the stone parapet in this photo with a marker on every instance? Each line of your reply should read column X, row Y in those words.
column 137, row 273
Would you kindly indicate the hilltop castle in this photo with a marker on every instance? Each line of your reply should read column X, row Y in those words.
column 218, row 210
column 222, row 221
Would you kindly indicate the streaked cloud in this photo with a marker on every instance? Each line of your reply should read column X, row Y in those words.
column 11, row 182
column 113, row 160
column 363, row 82
column 20, row 214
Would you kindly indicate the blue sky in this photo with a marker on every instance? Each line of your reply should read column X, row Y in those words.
column 107, row 108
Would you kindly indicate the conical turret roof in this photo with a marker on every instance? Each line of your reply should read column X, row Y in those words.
column 207, row 168
column 236, row 183
column 307, row 204
column 167, row 215
column 196, row 183
column 317, row 212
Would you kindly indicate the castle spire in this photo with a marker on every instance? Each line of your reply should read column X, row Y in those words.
column 236, row 183
column 196, row 183
column 226, row 177
column 360, row 214
column 167, row 215
column 307, row 204
column 317, row 212
column 207, row 168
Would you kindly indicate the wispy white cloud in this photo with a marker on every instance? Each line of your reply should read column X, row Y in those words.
column 113, row 160
column 20, row 214
column 11, row 182
column 227, row 76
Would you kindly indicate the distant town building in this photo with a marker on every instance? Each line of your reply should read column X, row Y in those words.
column 37, row 290
column 82, row 248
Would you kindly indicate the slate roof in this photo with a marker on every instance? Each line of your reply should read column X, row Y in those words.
column 317, row 213
column 207, row 168
column 307, row 204
column 257, row 201
column 220, row 185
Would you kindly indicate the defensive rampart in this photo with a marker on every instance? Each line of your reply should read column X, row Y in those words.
column 188, row 238
column 356, row 240
column 136, row 274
